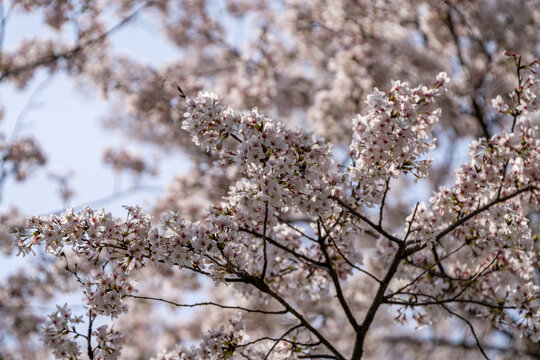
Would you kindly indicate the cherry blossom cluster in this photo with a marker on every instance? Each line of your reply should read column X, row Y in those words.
column 394, row 134
column 59, row 333
column 283, row 171
column 502, row 167
column 88, row 233
column 221, row 247
column 103, row 293
column 290, row 173
column 524, row 98
column 111, row 246
column 282, row 167
column 109, row 343
column 216, row 345
column 497, row 239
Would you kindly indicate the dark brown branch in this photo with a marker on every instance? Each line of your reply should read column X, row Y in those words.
column 469, row 283
column 280, row 339
column 292, row 342
column 346, row 259
column 456, row 296
column 89, row 349
column 235, row 137
column 377, row 301
column 73, row 272
column 263, row 274
column 376, row 227
column 425, row 271
column 381, row 210
column 445, row 301
column 438, row 262
column 283, row 221
column 471, row 327
column 409, row 227
column 263, row 287
column 477, row 110
column 479, row 114
column 480, row 210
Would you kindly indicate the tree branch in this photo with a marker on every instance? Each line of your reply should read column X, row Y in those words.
column 263, row 274
column 376, row 227
column 377, row 301
column 263, row 287
column 381, row 210
column 345, row 258
column 209, row 303
column 464, row 219
column 471, row 327
column 89, row 349
column 480, row 210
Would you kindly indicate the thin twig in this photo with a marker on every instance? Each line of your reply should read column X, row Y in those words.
column 381, row 210
column 280, row 339
column 209, row 303
column 296, row 229
column 425, row 271
column 464, row 219
column 471, row 327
